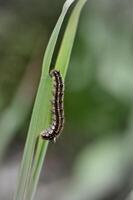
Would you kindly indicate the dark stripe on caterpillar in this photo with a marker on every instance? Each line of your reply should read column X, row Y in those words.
column 57, row 102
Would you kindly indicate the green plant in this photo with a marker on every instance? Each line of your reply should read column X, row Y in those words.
column 31, row 167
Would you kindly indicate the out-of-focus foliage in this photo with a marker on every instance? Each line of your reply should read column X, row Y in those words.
column 98, row 95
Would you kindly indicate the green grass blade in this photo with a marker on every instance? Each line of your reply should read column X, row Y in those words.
column 68, row 39
column 62, row 65
column 40, row 116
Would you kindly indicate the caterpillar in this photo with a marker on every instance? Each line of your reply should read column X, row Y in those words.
column 57, row 102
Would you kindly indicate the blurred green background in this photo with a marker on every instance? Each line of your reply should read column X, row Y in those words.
column 92, row 160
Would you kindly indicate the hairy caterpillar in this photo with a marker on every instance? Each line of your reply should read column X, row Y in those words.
column 57, row 124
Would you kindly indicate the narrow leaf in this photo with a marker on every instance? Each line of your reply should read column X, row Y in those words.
column 62, row 65
column 40, row 110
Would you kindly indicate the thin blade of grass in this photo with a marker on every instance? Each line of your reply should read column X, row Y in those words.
column 40, row 116
column 68, row 39
column 62, row 65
